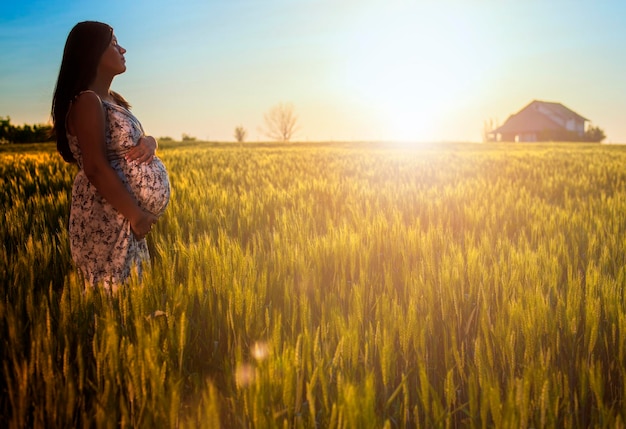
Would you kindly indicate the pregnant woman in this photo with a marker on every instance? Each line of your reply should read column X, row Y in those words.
column 121, row 187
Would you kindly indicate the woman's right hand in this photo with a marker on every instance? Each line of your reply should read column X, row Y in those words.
column 144, row 151
column 142, row 224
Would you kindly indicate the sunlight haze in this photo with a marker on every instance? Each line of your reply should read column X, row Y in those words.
column 354, row 70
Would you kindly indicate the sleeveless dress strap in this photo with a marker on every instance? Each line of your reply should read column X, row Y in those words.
column 83, row 92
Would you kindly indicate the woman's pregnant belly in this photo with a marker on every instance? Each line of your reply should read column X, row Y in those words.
column 149, row 183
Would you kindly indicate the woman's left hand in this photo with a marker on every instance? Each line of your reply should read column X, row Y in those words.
column 144, row 151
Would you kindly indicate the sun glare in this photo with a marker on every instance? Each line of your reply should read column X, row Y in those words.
column 415, row 67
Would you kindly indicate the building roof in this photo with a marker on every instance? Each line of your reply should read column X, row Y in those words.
column 527, row 121
column 530, row 119
column 559, row 110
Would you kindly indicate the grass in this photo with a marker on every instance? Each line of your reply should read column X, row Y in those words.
column 329, row 286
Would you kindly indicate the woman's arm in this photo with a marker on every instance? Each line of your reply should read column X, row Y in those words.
column 87, row 123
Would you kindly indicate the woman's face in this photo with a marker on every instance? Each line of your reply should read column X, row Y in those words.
column 112, row 60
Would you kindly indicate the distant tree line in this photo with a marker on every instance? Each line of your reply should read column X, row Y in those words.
column 38, row 133
column 281, row 124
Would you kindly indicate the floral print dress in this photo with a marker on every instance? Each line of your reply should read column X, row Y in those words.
column 101, row 241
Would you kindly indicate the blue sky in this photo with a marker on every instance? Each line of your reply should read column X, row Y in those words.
column 353, row 69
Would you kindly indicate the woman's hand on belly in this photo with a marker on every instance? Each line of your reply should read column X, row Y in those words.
column 143, row 152
column 142, row 224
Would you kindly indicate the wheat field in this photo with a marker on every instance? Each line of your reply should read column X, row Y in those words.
column 329, row 286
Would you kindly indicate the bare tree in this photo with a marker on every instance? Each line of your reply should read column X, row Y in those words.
column 240, row 134
column 281, row 122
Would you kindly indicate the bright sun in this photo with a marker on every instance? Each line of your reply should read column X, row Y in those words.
column 414, row 66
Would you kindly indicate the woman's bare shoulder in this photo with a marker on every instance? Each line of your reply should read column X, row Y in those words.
column 86, row 111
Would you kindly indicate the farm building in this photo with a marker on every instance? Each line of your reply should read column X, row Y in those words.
column 541, row 121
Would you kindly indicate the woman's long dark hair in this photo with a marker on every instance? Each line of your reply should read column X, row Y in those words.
column 83, row 49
